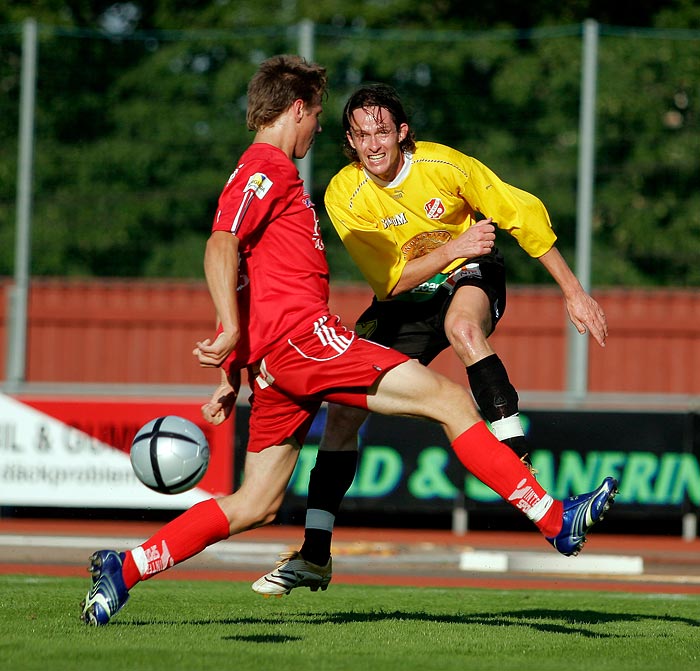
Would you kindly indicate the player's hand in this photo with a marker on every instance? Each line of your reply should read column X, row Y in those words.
column 223, row 400
column 477, row 240
column 587, row 315
column 212, row 354
column 219, row 407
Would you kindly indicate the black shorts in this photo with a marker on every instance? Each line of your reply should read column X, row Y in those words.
column 417, row 329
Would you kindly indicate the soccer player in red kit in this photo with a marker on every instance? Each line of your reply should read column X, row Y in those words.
column 268, row 278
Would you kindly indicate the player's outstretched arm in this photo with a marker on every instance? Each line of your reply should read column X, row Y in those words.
column 584, row 311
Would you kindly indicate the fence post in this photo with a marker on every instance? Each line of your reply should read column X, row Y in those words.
column 577, row 360
column 306, row 50
column 19, row 294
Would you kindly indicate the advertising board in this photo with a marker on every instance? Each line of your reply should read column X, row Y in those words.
column 407, row 465
column 74, row 452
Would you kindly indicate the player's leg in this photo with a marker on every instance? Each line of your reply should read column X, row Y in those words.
column 267, row 474
column 411, row 389
column 414, row 330
column 329, row 481
column 254, row 504
column 468, row 323
column 333, row 472
column 404, row 328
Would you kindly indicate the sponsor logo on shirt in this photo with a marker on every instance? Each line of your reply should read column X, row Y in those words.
column 396, row 220
column 434, row 208
column 259, row 184
column 427, row 287
column 469, row 270
column 316, row 235
column 423, row 243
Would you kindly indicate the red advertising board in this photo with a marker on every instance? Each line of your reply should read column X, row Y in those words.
column 115, row 421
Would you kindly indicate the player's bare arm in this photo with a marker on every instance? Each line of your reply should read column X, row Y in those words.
column 477, row 240
column 584, row 311
column 221, row 271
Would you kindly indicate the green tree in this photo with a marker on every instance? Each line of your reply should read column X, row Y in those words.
column 141, row 112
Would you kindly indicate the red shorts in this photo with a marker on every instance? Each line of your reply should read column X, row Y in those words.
column 323, row 362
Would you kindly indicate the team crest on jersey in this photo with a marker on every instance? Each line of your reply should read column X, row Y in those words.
column 259, row 184
column 434, row 208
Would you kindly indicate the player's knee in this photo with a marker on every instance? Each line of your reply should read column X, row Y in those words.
column 465, row 332
column 451, row 397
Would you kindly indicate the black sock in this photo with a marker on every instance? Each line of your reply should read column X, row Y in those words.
column 493, row 392
column 329, row 481
column 520, row 446
column 317, row 546
column 496, row 396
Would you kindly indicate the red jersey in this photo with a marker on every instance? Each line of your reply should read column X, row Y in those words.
column 283, row 272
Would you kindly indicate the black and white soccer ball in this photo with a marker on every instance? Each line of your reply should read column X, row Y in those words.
column 170, row 454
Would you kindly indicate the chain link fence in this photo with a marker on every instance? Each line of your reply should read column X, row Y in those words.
column 135, row 134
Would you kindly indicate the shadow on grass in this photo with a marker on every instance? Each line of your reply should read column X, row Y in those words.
column 263, row 638
column 574, row 622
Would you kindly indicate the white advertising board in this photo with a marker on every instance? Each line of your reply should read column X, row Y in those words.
column 46, row 463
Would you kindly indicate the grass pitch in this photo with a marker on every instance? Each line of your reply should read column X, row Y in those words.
column 180, row 625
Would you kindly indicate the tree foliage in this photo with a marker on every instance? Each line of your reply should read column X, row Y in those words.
column 141, row 116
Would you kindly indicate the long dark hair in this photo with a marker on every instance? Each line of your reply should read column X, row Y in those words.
column 376, row 95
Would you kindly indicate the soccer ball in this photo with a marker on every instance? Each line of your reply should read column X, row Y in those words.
column 170, row 454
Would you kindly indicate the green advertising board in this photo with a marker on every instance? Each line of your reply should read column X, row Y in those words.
column 407, row 465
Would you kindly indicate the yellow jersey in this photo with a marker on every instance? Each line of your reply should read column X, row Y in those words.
column 437, row 195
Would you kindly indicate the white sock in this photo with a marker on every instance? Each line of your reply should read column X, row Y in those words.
column 538, row 511
column 508, row 427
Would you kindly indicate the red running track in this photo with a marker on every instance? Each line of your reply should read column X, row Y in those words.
column 671, row 564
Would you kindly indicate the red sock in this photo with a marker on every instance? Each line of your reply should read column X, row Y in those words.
column 187, row 535
column 497, row 466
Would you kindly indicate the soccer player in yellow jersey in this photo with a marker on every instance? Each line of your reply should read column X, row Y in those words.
column 419, row 219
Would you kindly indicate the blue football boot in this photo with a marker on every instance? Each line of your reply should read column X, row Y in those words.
column 108, row 593
column 580, row 514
